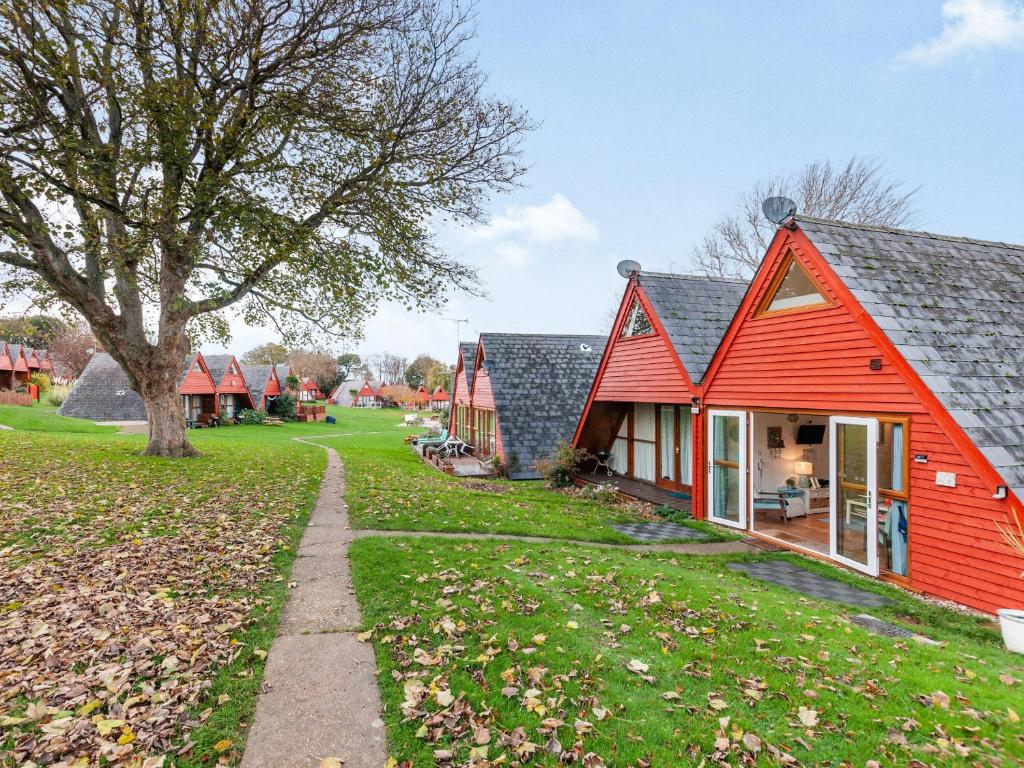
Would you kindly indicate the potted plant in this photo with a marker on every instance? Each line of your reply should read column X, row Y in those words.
column 1012, row 619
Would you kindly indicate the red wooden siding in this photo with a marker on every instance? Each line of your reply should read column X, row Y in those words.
column 819, row 360
column 641, row 369
column 483, row 399
column 273, row 385
column 233, row 382
column 198, row 380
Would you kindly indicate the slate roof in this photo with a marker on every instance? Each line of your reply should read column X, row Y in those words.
column 103, row 393
column 341, row 394
column 256, row 378
column 467, row 351
column 217, row 365
column 695, row 311
column 540, row 385
column 954, row 308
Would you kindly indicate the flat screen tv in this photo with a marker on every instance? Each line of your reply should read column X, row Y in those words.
column 810, row 434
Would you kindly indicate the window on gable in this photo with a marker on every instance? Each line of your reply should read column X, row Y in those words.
column 637, row 323
column 796, row 289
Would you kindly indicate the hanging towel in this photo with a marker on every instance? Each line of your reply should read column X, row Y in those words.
column 896, row 529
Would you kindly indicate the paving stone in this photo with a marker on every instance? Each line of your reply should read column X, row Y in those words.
column 801, row 580
column 659, row 531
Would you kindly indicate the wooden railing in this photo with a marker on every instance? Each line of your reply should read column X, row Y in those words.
column 15, row 398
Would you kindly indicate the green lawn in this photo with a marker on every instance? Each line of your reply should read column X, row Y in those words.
column 390, row 488
column 141, row 593
column 512, row 650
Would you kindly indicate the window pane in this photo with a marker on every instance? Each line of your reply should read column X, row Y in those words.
column 796, row 290
column 891, row 456
column 637, row 323
column 667, row 445
column 643, row 428
column 685, row 438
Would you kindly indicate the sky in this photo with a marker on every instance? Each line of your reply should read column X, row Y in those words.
column 654, row 116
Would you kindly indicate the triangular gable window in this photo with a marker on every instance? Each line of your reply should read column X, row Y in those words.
column 793, row 288
column 637, row 322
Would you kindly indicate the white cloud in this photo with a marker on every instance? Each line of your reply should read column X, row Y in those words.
column 554, row 221
column 513, row 254
column 971, row 26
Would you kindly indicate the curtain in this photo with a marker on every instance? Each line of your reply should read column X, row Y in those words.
column 643, row 461
column 897, row 457
column 643, row 428
column 685, row 446
column 619, row 461
column 667, row 425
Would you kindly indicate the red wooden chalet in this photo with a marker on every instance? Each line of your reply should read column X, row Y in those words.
column 864, row 406
column 6, row 366
column 198, row 391
column 232, row 388
column 263, row 383
column 368, row 396
column 461, row 416
column 439, row 400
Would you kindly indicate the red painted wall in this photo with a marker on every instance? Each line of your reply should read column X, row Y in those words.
column 818, row 359
column 483, row 398
column 641, row 369
column 232, row 382
column 197, row 382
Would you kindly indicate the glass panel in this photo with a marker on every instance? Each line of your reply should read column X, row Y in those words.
column 685, row 439
column 852, row 500
column 620, row 456
column 637, row 324
column 797, row 289
column 891, row 456
column 643, row 427
column 667, row 446
column 624, row 429
column 643, row 461
column 893, row 532
column 725, row 473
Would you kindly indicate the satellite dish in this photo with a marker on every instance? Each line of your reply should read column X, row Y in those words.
column 586, row 348
column 628, row 268
column 778, row 210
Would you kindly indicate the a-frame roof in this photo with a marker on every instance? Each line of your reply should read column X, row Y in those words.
column 467, row 356
column 695, row 312
column 540, row 384
column 104, row 393
column 954, row 309
column 257, row 377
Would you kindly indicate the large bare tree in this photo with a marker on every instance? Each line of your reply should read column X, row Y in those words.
column 858, row 192
column 164, row 163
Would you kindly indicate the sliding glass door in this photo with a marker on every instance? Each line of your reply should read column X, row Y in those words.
column 674, row 454
column 853, row 520
column 727, row 467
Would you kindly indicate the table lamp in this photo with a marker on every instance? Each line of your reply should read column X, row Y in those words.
column 804, row 469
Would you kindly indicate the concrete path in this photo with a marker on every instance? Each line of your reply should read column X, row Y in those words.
column 319, row 696
column 683, row 548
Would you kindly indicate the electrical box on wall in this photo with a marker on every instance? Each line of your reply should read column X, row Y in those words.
column 946, row 479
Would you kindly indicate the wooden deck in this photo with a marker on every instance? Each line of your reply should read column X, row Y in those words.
column 638, row 490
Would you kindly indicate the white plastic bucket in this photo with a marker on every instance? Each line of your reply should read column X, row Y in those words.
column 1012, row 622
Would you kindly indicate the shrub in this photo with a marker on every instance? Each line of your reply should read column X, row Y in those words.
column 559, row 469
column 55, row 399
column 284, row 406
column 249, row 416
column 672, row 515
column 603, row 493
column 41, row 380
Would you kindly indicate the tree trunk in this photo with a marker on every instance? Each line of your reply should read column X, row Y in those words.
column 167, row 433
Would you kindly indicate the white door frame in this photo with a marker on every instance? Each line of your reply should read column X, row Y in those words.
column 741, row 418
column 871, row 518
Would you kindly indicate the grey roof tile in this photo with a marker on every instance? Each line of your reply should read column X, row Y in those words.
column 954, row 308
column 103, row 393
column 695, row 312
column 540, row 384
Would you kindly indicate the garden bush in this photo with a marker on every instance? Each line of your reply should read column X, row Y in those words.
column 559, row 469
column 284, row 406
column 41, row 380
column 249, row 416
column 55, row 399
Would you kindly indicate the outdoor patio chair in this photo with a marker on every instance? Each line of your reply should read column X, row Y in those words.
column 453, row 447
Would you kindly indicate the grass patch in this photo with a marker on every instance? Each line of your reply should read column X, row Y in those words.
column 151, row 587
column 524, row 649
column 390, row 488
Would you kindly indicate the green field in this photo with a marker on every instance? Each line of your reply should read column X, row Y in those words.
column 142, row 595
column 555, row 652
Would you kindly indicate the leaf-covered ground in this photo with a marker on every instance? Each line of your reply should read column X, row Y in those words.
column 505, row 654
column 138, row 596
column 390, row 488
